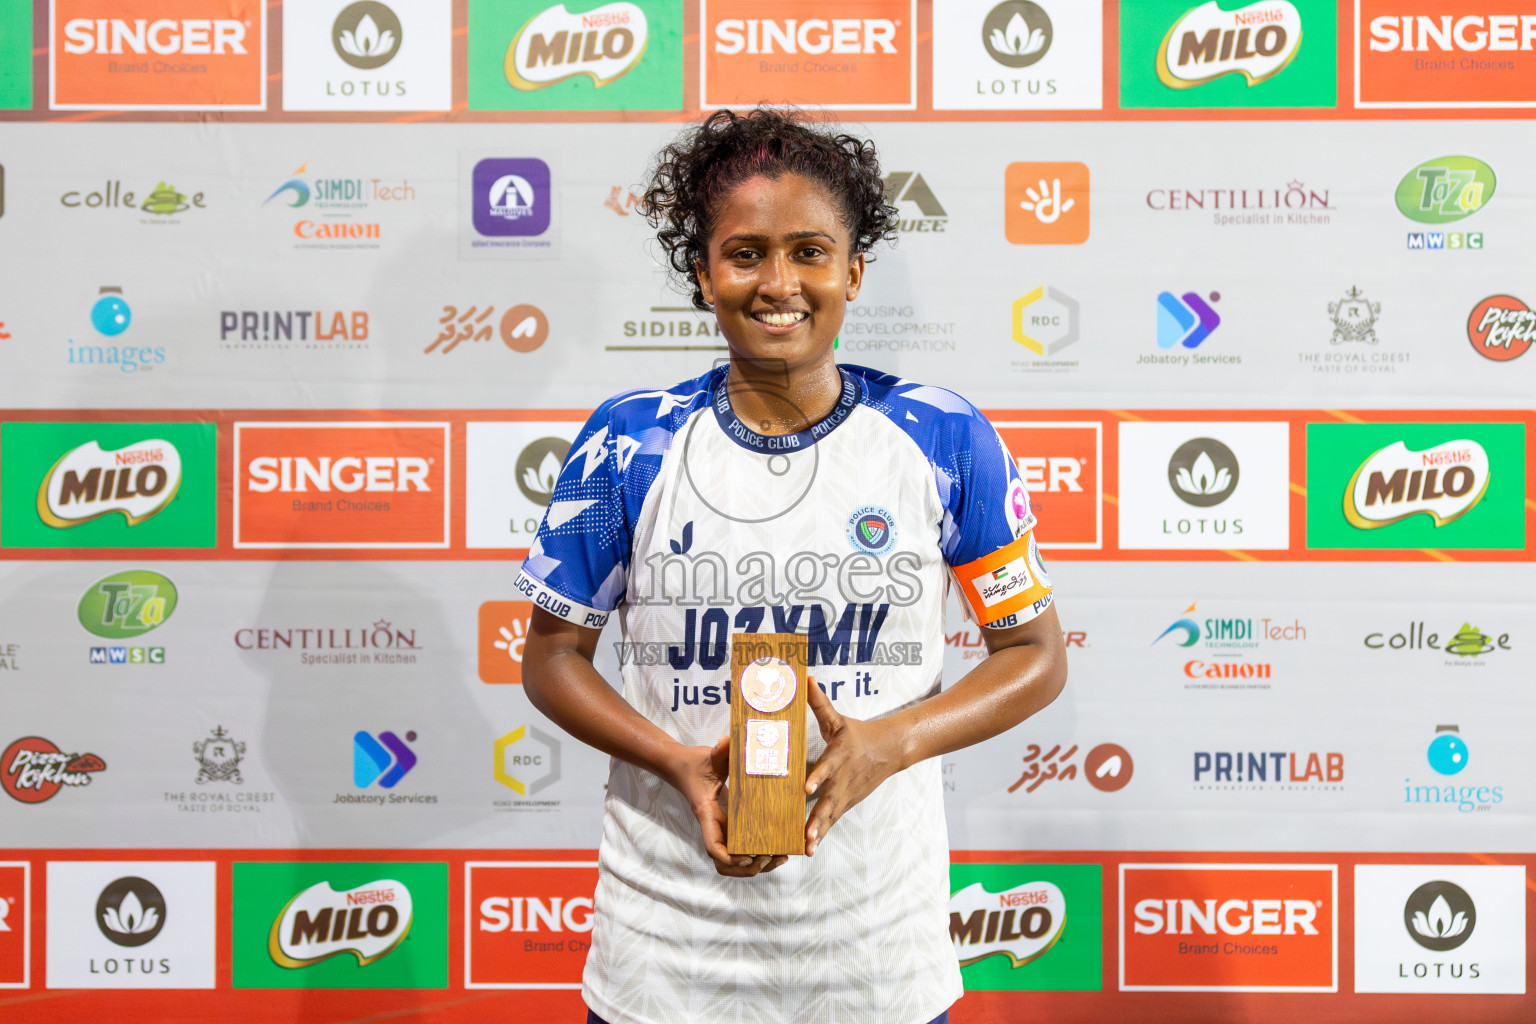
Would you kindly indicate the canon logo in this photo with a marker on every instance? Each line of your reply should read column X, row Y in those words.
column 813, row 35
column 556, row 914
column 1418, row 33
column 187, row 36
column 370, row 473
column 1232, row 917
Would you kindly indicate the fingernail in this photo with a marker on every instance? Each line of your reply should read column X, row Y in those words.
column 743, row 862
column 814, row 834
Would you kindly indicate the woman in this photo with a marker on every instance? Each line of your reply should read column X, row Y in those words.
column 781, row 493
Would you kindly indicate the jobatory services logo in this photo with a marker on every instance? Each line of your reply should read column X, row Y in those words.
column 131, row 924
column 366, row 55
column 340, row 212
column 1107, row 767
column 1440, row 928
column 1046, row 203
column 1018, row 55
column 503, row 629
column 1272, row 53
column 34, row 769
column 158, row 55
column 1443, row 54
column 1448, row 755
column 526, row 761
column 108, row 485
column 864, row 57
column 1229, row 927
column 340, row 925
column 1027, row 927
column 520, row 328
column 1184, row 322
column 326, row 330
column 341, row 485
column 15, row 924
column 503, row 509
column 384, row 759
column 1501, row 328
column 1061, row 464
column 1415, row 485
column 530, row 923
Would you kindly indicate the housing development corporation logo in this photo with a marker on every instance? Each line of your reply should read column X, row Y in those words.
column 1046, row 203
column 1023, row 927
column 34, row 769
column 1444, row 55
column 530, row 924
column 1501, row 328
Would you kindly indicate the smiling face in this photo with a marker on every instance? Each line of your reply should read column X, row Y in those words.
column 780, row 270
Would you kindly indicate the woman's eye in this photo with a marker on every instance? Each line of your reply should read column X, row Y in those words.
column 810, row 252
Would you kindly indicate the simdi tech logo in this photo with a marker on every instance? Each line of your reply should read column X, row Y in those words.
column 1027, row 927
column 341, row 485
column 856, row 55
column 1018, row 55
column 577, row 55
column 367, row 55
column 529, row 924
column 1444, row 54
column 340, row 925
column 1416, row 485
column 108, row 485
column 158, row 55
column 1272, row 53
column 15, row 924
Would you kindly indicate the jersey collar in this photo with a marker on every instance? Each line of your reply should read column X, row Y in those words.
column 852, row 394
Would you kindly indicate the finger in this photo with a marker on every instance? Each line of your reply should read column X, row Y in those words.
column 825, row 767
column 775, row 862
column 823, row 816
column 720, row 757
column 826, row 715
column 712, row 822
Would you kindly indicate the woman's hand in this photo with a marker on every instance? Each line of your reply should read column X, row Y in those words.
column 700, row 774
column 859, row 756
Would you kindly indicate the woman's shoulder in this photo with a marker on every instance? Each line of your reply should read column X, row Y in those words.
column 668, row 408
column 929, row 414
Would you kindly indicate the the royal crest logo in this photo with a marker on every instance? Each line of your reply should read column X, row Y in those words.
column 218, row 758
column 604, row 44
column 1444, row 482
column 319, row 923
column 1256, row 41
column 88, row 482
column 1354, row 318
column 34, row 769
column 1020, row 923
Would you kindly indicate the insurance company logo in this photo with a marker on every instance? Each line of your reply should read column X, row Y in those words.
column 384, row 759
column 1415, row 485
column 1061, row 466
column 1448, row 755
column 161, row 204
column 511, row 469
column 1466, row 646
column 15, row 924
column 1045, row 321
column 340, row 925
column 110, row 317
column 340, row 55
column 1017, row 55
column 1445, row 189
column 531, row 923
column 521, row 328
column 34, row 769
column 312, row 329
column 1185, row 321
column 1501, row 328
column 1268, row 770
column 153, row 924
column 862, row 57
column 510, row 197
column 1256, row 42
column 526, row 760
column 1229, row 927
column 909, row 191
column 336, row 212
column 341, row 485
column 503, row 630
column 158, row 55
column 1107, row 767
column 1443, row 54
column 1046, row 203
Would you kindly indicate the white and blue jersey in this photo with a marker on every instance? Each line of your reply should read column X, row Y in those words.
column 692, row 525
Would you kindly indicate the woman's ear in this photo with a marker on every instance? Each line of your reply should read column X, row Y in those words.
column 701, row 270
column 855, row 277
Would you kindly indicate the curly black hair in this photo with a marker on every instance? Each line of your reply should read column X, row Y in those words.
column 727, row 148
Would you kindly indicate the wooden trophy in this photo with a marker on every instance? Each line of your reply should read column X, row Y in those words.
column 765, row 812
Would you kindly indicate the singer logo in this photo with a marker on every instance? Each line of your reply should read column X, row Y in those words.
column 15, row 942
column 529, row 924
column 341, row 485
column 1236, row 927
column 1444, row 54
column 1061, row 466
column 158, row 54
column 864, row 58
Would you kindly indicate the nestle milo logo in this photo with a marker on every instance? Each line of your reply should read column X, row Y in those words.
column 603, row 44
column 137, row 481
column 1443, row 482
column 1445, row 189
column 1019, row 923
column 127, row 604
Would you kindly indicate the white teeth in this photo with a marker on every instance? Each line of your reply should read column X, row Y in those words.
column 779, row 319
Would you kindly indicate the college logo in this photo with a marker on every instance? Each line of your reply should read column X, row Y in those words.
column 341, row 485
column 1228, row 927
column 384, row 759
column 503, row 631
column 1061, row 466
column 503, row 509
column 511, row 197
column 1468, row 56
column 127, row 604
column 33, row 769
column 1046, row 203
column 1416, row 485
column 130, row 911
column 340, row 925
column 865, row 58
column 15, row 924
column 530, row 924
column 872, row 530
column 527, row 760
column 367, row 55
column 158, row 55
column 1501, row 328
column 1185, row 321
column 1027, row 927
column 164, row 201
column 1445, row 190
column 218, row 758
column 1272, row 53
column 1354, row 319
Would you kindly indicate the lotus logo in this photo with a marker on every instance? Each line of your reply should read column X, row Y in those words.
column 366, row 35
column 1256, row 41
column 538, row 467
column 88, row 483
column 1445, row 189
column 1444, row 482
column 1203, row 472
column 1020, row 923
column 604, row 44
column 1016, row 33
column 1439, row 916
column 130, row 911
column 320, row 922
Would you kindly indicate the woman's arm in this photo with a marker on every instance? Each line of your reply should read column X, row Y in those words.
column 1025, row 669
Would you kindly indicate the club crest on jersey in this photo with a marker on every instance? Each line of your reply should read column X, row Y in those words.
column 872, row 530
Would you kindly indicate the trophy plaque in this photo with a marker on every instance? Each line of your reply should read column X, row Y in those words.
column 765, row 811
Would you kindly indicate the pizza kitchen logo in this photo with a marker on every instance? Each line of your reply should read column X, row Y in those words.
column 368, row 922
column 1501, row 328
column 34, row 769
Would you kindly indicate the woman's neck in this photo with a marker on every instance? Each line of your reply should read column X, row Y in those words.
column 774, row 398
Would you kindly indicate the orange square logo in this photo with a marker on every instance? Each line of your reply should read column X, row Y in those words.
column 529, row 925
column 1046, row 203
column 503, row 630
column 158, row 55
column 1061, row 466
column 1229, row 927
column 14, row 921
column 792, row 51
column 1444, row 53
column 341, row 485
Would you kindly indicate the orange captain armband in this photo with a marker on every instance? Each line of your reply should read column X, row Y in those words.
column 1006, row 582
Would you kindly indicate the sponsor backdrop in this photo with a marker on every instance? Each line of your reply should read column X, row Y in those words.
column 303, row 310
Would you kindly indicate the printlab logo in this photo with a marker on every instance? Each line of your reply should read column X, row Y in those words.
column 1439, row 916
column 34, row 769
column 1501, row 328
column 130, row 911
column 503, row 632
column 908, row 188
column 366, row 35
column 1108, row 767
column 1046, row 203
column 1045, row 321
column 527, row 761
column 1016, row 33
column 312, row 329
column 337, row 212
column 384, row 759
column 218, row 758
column 1185, row 321
column 522, row 328
column 1443, row 191
column 1203, row 472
